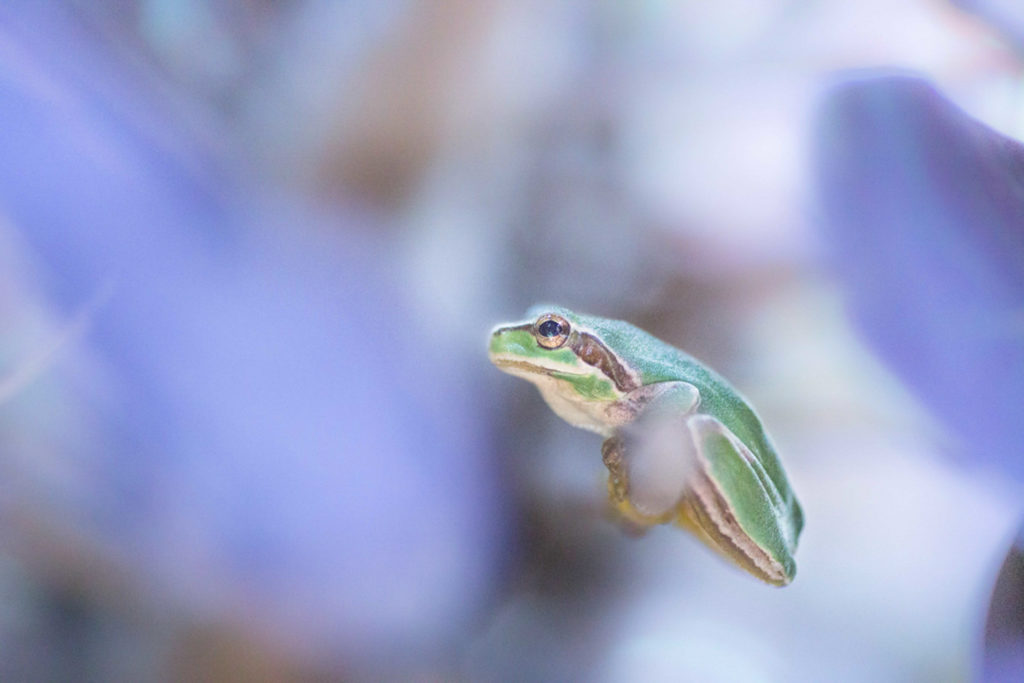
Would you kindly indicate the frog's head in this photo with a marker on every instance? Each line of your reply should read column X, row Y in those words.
column 556, row 345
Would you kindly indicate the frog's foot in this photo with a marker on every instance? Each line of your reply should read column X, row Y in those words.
column 626, row 523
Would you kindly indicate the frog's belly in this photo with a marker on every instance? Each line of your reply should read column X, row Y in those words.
column 590, row 415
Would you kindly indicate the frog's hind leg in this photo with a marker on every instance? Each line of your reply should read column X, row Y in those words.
column 732, row 505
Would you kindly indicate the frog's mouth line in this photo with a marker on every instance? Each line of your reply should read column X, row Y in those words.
column 523, row 366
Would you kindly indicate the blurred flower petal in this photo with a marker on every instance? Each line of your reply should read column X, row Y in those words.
column 270, row 441
column 923, row 210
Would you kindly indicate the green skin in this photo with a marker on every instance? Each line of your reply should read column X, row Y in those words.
column 681, row 444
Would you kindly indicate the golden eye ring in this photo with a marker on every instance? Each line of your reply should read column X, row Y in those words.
column 551, row 331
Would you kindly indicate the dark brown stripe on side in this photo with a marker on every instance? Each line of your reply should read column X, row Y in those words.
column 594, row 353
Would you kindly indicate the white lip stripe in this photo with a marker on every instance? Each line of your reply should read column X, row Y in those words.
column 536, row 362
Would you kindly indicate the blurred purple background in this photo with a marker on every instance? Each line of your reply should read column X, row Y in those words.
column 250, row 253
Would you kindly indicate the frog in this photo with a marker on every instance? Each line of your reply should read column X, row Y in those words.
column 681, row 445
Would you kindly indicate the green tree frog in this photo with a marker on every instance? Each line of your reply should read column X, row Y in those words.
column 682, row 446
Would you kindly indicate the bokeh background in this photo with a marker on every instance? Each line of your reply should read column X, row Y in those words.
column 250, row 252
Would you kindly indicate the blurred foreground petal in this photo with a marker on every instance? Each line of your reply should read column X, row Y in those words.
column 250, row 425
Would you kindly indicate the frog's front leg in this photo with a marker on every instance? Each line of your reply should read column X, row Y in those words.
column 646, row 471
column 618, row 477
column 628, row 518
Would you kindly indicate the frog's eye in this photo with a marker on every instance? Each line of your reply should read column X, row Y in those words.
column 551, row 330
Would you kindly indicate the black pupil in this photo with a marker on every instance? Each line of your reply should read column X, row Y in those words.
column 550, row 328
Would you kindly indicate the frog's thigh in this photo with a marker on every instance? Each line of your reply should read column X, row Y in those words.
column 733, row 506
